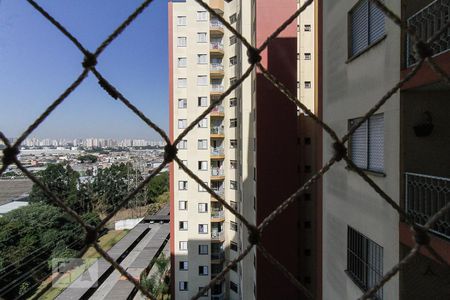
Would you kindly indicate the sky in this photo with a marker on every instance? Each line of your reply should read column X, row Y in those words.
column 37, row 63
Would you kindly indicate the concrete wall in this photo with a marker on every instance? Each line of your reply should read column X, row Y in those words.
column 350, row 89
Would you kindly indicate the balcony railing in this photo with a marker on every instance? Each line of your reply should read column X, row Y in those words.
column 426, row 22
column 219, row 191
column 425, row 196
column 218, row 255
column 216, row 24
column 217, row 88
column 218, row 297
column 217, row 172
column 217, row 130
column 216, row 46
column 217, row 151
column 218, row 214
column 218, row 109
column 217, row 235
column 216, row 67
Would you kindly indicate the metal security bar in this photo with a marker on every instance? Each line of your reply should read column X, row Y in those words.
column 426, row 22
column 339, row 146
column 425, row 196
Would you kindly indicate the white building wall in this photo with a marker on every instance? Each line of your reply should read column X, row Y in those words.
column 350, row 89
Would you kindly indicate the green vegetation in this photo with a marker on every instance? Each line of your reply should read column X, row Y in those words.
column 30, row 237
column 89, row 158
column 158, row 282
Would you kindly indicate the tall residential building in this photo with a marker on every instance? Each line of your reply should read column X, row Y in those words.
column 403, row 148
column 246, row 149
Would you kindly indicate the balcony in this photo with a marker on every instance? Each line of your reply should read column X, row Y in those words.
column 217, row 5
column 218, row 297
column 425, row 195
column 217, row 236
column 218, row 256
column 217, row 174
column 216, row 90
column 219, row 191
column 426, row 22
column 216, row 70
column 217, row 153
column 216, row 48
column 216, row 28
column 217, row 215
column 218, row 111
column 217, row 132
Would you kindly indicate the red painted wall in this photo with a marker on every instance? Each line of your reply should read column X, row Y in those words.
column 277, row 149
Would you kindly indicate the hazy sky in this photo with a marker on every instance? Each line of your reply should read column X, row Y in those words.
column 37, row 63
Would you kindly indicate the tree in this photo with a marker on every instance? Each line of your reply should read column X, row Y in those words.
column 30, row 237
column 157, row 186
column 60, row 180
column 90, row 158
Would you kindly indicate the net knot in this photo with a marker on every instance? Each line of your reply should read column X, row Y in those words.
column 91, row 236
column 423, row 50
column 421, row 236
column 90, row 60
column 253, row 56
column 254, row 236
column 339, row 151
column 9, row 155
column 170, row 151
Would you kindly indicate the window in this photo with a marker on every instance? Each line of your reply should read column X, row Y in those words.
column 367, row 144
column 202, row 37
column 182, row 62
column 307, row 27
column 234, row 205
column 183, row 245
column 182, row 185
column 307, row 56
column 203, row 249
column 202, row 228
column 233, row 164
column 202, row 101
column 203, row 207
column 233, row 18
column 202, row 189
column 366, row 26
column 182, row 41
column 233, row 102
column 203, row 123
column 182, row 144
column 233, row 40
column 182, row 123
column 203, row 165
column 233, row 226
column 233, row 246
column 202, row 80
column 184, row 163
column 233, row 60
column 233, row 123
column 181, row 21
column 233, row 144
column 183, row 225
column 182, row 103
column 364, row 261
column 307, row 84
column 233, row 80
column 202, row 144
column 202, row 270
column 182, row 82
column 202, row 59
column 183, row 285
column 233, row 185
column 182, row 205
column 183, row 265
column 202, row 16
column 233, row 287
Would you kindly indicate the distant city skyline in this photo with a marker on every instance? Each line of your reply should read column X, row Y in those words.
column 39, row 63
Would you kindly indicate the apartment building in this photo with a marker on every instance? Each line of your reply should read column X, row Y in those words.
column 403, row 148
column 246, row 149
